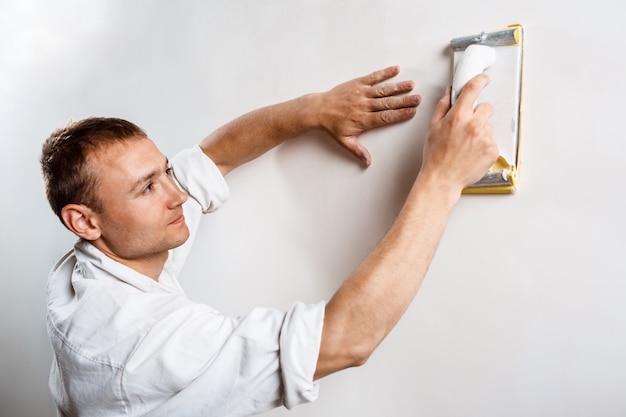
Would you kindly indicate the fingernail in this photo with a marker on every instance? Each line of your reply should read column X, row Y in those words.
column 364, row 156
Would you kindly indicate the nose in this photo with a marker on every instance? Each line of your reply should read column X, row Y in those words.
column 176, row 196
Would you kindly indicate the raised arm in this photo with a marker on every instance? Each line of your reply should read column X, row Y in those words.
column 458, row 151
column 344, row 112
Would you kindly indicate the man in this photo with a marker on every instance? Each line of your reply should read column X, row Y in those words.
column 128, row 342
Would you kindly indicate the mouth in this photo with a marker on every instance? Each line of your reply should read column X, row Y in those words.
column 178, row 220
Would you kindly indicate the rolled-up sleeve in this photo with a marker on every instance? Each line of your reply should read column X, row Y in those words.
column 217, row 365
column 236, row 366
column 200, row 178
column 299, row 349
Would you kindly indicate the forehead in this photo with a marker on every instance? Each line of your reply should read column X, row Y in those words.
column 127, row 160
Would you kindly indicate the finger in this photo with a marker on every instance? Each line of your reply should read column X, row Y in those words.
column 443, row 106
column 352, row 144
column 471, row 90
column 391, row 103
column 387, row 117
column 392, row 89
column 380, row 75
column 484, row 111
column 364, row 155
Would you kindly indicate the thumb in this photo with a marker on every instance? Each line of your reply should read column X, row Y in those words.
column 443, row 106
column 352, row 144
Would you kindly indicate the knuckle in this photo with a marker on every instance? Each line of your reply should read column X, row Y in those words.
column 485, row 108
column 385, row 116
column 455, row 118
column 474, row 127
column 474, row 84
column 494, row 152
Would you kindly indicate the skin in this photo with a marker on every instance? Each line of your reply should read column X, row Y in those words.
column 344, row 112
column 143, row 215
column 138, row 229
column 459, row 149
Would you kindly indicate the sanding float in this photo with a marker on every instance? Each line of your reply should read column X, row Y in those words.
column 498, row 54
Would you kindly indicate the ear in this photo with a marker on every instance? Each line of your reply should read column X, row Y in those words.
column 80, row 219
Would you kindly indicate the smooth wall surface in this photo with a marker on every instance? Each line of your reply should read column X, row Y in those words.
column 523, row 312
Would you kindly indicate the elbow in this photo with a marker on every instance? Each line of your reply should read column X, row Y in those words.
column 346, row 355
column 358, row 355
column 347, row 341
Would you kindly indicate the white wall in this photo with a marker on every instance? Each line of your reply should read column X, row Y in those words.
column 523, row 311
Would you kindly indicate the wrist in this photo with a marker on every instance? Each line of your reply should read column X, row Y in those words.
column 310, row 111
column 433, row 186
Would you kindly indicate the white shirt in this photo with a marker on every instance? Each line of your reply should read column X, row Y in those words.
column 127, row 345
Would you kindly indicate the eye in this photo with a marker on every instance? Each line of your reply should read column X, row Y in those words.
column 169, row 171
column 148, row 188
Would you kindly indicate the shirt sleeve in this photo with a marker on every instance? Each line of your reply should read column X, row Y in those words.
column 200, row 178
column 206, row 187
column 220, row 366
column 300, row 339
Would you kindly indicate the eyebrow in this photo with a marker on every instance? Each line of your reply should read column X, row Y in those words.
column 141, row 181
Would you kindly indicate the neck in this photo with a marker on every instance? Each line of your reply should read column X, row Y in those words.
column 148, row 265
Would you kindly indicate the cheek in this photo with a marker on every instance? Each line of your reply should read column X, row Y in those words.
column 129, row 235
column 130, row 218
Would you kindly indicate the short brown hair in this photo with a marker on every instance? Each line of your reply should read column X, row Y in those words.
column 68, row 178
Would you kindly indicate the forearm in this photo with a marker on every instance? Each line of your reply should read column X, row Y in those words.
column 373, row 299
column 258, row 131
column 459, row 149
column 344, row 112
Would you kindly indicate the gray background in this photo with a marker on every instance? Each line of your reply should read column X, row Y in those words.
column 523, row 311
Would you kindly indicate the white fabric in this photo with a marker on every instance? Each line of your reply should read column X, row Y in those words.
column 126, row 345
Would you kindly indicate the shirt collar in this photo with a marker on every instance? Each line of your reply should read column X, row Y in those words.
column 94, row 264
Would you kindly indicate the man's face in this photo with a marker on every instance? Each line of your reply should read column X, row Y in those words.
column 143, row 215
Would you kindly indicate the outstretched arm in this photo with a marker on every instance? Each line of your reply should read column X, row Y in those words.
column 459, row 149
column 344, row 112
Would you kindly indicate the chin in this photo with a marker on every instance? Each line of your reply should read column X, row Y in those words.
column 180, row 241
